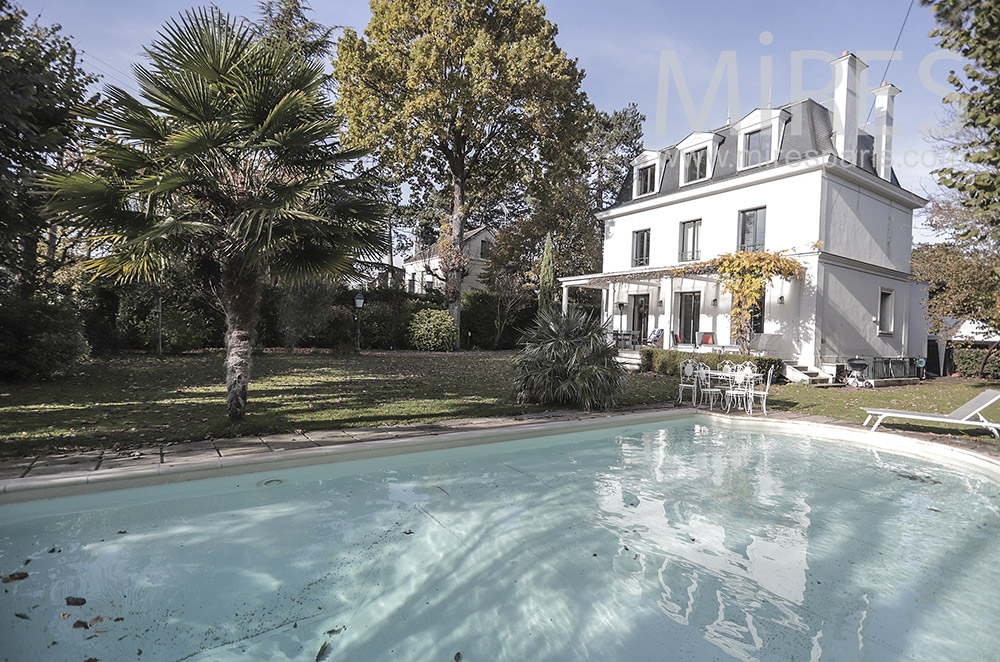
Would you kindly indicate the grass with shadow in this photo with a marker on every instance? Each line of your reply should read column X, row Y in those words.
column 140, row 400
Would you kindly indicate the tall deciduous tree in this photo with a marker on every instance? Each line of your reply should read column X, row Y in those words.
column 287, row 22
column 40, row 83
column 615, row 139
column 972, row 29
column 232, row 150
column 472, row 96
column 960, row 270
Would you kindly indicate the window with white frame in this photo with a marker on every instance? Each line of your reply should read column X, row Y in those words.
column 695, row 165
column 689, row 248
column 756, row 147
column 640, row 248
column 885, row 310
column 752, row 225
column 647, row 180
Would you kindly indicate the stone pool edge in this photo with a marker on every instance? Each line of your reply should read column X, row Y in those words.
column 397, row 442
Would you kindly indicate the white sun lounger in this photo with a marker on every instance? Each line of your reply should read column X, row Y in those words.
column 964, row 415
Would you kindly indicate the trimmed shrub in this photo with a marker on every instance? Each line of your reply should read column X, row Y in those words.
column 479, row 318
column 968, row 360
column 668, row 361
column 567, row 360
column 39, row 337
column 433, row 331
column 384, row 324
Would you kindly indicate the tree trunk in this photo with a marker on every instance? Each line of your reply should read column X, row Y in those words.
column 455, row 264
column 986, row 357
column 241, row 299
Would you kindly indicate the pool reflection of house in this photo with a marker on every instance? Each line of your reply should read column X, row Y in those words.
column 799, row 178
column 737, row 573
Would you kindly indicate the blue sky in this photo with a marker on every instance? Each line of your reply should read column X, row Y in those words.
column 619, row 44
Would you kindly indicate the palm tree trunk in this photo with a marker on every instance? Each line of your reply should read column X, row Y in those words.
column 241, row 299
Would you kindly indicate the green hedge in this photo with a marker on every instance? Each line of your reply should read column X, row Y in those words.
column 433, row 331
column 968, row 360
column 668, row 361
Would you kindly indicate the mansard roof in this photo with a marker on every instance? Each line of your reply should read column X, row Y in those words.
column 808, row 133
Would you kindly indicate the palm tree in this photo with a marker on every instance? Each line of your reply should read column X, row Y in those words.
column 232, row 151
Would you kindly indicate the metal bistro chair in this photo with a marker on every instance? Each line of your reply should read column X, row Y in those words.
column 705, row 387
column 760, row 393
column 689, row 380
column 738, row 390
column 726, row 366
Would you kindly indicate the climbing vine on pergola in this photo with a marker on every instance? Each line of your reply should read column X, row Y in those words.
column 743, row 275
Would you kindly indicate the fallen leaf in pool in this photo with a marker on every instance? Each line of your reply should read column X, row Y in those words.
column 119, row 619
column 324, row 652
column 13, row 577
column 75, row 602
column 81, row 624
column 458, row 656
column 64, row 615
column 24, row 616
column 95, row 620
column 337, row 630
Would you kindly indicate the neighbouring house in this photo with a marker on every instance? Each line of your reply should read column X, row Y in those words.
column 800, row 178
column 422, row 271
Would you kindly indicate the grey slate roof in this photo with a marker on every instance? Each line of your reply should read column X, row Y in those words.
column 432, row 250
column 808, row 133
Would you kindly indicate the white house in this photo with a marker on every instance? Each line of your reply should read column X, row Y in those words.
column 422, row 271
column 800, row 178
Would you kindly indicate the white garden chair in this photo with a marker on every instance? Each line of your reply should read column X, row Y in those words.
column 705, row 387
column 760, row 393
column 689, row 380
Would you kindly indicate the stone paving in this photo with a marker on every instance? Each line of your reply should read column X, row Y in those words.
column 260, row 449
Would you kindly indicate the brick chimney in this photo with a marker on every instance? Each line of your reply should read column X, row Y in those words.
column 883, row 128
column 846, row 80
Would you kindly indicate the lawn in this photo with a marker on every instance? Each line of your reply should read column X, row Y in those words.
column 139, row 399
column 942, row 395
column 142, row 400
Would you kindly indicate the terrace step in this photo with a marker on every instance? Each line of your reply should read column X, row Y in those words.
column 805, row 374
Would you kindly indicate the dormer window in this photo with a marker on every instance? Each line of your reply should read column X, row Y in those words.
column 696, row 165
column 697, row 154
column 647, row 169
column 756, row 147
column 647, row 180
column 760, row 135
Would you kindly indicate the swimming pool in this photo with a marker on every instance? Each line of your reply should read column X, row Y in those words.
column 673, row 540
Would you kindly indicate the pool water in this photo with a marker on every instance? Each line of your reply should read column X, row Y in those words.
column 675, row 541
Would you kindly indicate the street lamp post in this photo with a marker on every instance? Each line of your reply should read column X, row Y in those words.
column 359, row 301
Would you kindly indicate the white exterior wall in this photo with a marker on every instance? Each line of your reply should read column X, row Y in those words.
column 865, row 226
column 849, row 313
column 852, row 239
column 792, row 222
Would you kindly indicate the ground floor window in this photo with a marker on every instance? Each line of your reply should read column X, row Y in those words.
column 885, row 312
column 689, row 317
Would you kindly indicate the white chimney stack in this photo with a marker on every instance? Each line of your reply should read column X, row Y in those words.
column 846, row 76
column 883, row 128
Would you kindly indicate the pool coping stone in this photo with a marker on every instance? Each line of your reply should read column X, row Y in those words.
column 172, row 462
